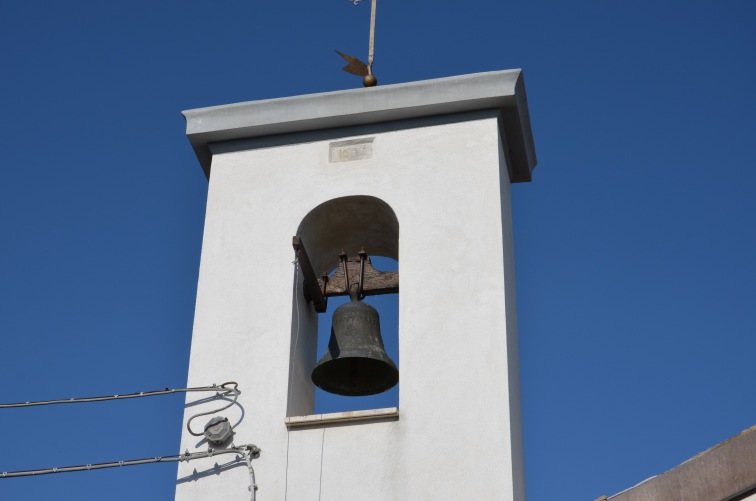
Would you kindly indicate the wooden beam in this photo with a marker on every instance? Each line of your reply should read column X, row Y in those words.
column 373, row 283
column 312, row 292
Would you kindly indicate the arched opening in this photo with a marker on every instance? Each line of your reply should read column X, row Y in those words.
column 350, row 224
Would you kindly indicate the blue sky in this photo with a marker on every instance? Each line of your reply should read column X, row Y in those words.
column 635, row 243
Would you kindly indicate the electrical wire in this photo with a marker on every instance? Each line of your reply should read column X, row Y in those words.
column 234, row 390
column 247, row 451
column 252, row 483
column 152, row 393
column 291, row 370
column 224, row 390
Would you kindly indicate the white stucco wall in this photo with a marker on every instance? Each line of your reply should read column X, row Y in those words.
column 458, row 431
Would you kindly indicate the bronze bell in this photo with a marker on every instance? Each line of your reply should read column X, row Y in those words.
column 356, row 363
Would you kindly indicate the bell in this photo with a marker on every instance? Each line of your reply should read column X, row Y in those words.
column 356, row 363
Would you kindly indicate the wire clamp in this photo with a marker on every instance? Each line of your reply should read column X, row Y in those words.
column 89, row 467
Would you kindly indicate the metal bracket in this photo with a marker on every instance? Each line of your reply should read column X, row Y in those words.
column 374, row 282
column 318, row 290
column 311, row 285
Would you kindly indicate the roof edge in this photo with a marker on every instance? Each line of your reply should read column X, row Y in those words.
column 720, row 473
column 504, row 90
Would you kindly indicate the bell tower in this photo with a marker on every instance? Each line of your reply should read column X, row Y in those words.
column 418, row 172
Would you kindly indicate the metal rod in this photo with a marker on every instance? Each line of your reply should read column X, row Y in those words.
column 343, row 259
column 363, row 257
column 371, row 49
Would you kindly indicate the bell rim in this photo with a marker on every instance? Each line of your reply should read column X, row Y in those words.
column 390, row 380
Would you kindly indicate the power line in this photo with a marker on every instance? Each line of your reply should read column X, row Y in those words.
column 242, row 450
column 224, row 390
column 235, row 391
column 167, row 391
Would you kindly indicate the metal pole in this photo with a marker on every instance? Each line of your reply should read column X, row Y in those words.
column 371, row 49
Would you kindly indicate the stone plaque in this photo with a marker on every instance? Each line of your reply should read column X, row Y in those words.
column 352, row 149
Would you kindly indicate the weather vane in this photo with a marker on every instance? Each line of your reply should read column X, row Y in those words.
column 357, row 67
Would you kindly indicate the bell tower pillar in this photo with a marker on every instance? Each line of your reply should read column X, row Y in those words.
column 419, row 172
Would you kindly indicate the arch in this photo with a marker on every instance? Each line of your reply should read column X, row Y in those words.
column 349, row 223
